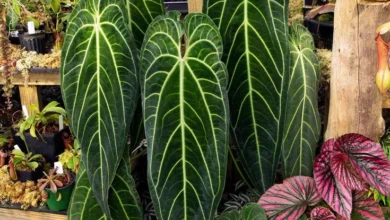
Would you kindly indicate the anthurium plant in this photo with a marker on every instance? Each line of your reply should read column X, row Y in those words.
column 344, row 171
column 181, row 67
column 42, row 122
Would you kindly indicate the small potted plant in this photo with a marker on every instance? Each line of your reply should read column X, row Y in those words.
column 319, row 21
column 59, row 187
column 40, row 131
column 25, row 167
column 22, row 12
column 70, row 158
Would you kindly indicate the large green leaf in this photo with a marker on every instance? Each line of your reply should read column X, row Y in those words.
column 186, row 116
column 302, row 128
column 141, row 13
column 99, row 86
column 123, row 199
column 251, row 211
column 255, row 34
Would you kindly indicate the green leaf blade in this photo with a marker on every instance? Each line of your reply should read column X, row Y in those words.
column 99, row 86
column 141, row 13
column 256, row 54
column 302, row 128
column 185, row 109
column 123, row 198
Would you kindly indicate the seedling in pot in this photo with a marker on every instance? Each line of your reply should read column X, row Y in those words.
column 44, row 122
column 54, row 180
column 26, row 162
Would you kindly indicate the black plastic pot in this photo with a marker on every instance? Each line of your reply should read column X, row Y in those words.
column 322, row 32
column 24, row 176
column 33, row 42
column 181, row 6
column 50, row 148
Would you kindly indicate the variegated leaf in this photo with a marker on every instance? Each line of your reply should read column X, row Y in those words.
column 290, row 199
column 255, row 35
column 338, row 197
column 123, row 198
column 141, row 13
column 322, row 213
column 186, row 116
column 365, row 207
column 99, row 86
column 367, row 159
column 303, row 124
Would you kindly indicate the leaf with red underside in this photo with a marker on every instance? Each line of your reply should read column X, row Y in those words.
column 290, row 199
column 345, row 173
column 365, row 207
column 368, row 159
column 338, row 197
column 321, row 213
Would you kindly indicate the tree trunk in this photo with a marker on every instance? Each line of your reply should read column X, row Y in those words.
column 355, row 101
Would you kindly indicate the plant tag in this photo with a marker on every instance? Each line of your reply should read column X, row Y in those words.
column 61, row 122
column 31, row 27
column 58, row 166
column 16, row 147
column 25, row 112
column 14, row 33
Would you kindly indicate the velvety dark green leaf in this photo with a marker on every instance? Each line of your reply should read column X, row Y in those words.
column 302, row 128
column 123, row 198
column 141, row 13
column 137, row 131
column 251, row 211
column 230, row 215
column 255, row 34
column 186, row 116
column 99, row 86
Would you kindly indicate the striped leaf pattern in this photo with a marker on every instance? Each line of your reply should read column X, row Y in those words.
column 338, row 197
column 302, row 128
column 255, row 35
column 99, row 86
column 365, row 207
column 186, row 110
column 366, row 158
column 290, row 199
column 322, row 213
column 141, row 13
column 123, row 199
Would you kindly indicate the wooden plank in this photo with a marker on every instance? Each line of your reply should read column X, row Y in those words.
column 42, row 78
column 195, row 6
column 15, row 214
column 30, row 95
column 355, row 101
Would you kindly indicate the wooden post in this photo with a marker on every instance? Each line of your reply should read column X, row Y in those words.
column 195, row 6
column 30, row 95
column 355, row 101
